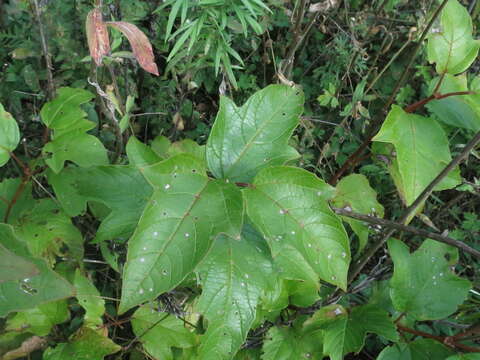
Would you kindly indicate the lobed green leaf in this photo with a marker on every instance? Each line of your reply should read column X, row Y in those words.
column 288, row 206
column 255, row 136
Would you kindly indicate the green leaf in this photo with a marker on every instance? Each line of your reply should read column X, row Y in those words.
column 82, row 149
column 89, row 298
column 233, row 276
column 122, row 189
column 41, row 288
column 69, row 141
column 8, row 189
column 307, row 240
column 140, row 154
column 13, row 267
column 64, row 112
column 420, row 349
column 187, row 146
column 354, row 191
column 290, row 343
column 159, row 332
column 246, row 139
column 45, row 228
column 460, row 111
column 344, row 332
column 185, row 214
column 41, row 319
column 416, row 139
column 88, row 344
column 453, row 49
column 9, row 135
column 421, row 278
column 160, row 145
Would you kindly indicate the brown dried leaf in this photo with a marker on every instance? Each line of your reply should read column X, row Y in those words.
column 97, row 35
column 142, row 49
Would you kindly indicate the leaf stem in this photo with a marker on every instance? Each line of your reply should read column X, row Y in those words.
column 415, row 106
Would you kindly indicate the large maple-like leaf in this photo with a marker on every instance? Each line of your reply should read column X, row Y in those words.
column 180, row 222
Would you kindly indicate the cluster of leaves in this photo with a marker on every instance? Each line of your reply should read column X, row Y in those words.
column 234, row 252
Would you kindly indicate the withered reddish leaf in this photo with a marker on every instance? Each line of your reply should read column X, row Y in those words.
column 142, row 49
column 97, row 35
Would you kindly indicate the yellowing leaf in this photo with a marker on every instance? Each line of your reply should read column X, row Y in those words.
column 97, row 35
column 142, row 49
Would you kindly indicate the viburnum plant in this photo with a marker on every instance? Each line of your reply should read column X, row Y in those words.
column 233, row 251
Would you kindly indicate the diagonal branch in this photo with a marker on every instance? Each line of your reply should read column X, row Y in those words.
column 405, row 228
column 360, row 264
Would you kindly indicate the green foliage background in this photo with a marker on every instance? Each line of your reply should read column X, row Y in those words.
column 206, row 214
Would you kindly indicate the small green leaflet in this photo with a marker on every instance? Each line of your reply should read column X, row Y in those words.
column 422, row 152
column 69, row 139
column 29, row 292
column 140, row 154
column 344, row 332
column 64, row 112
column 9, row 135
column 354, row 191
column 185, row 214
column 460, row 111
column 292, row 343
column 420, row 349
column 233, row 276
column 88, row 344
column 287, row 205
column 159, row 332
column 246, row 139
column 422, row 278
column 453, row 49
column 89, row 298
column 41, row 319
column 297, row 341
column 122, row 189
column 46, row 229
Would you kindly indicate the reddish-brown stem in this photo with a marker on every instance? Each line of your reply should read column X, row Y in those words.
column 12, row 202
column 355, row 159
column 419, row 333
column 445, row 340
column 27, row 174
column 352, row 160
column 415, row 106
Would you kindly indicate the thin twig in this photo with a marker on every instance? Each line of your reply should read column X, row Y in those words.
column 109, row 109
column 405, row 228
column 353, row 159
column 415, row 106
column 360, row 264
column 46, row 54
